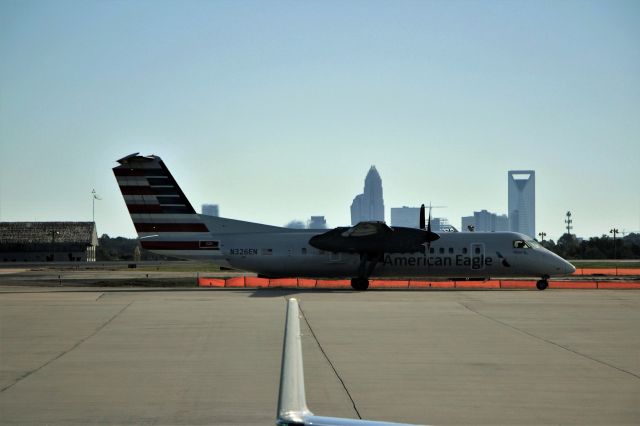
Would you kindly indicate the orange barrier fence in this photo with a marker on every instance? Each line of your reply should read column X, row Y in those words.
column 302, row 283
column 607, row 271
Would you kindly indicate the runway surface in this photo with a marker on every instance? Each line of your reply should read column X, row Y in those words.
column 212, row 356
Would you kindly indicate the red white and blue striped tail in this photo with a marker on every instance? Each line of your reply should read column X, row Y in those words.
column 162, row 215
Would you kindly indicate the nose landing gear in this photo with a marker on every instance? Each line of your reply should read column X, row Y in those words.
column 543, row 283
column 359, row 284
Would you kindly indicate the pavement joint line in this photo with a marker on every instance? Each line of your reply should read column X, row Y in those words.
column 622, row 370
column 61, row 354
column 326, row 356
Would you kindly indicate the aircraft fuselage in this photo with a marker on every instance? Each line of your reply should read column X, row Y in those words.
column 473, row 255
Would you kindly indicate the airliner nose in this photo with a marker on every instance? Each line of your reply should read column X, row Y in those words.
column 561, row 266
column 564, row 267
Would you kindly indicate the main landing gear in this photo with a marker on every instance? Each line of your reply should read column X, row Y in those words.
column 368, row 262
column 543, row 283
column 359, row 284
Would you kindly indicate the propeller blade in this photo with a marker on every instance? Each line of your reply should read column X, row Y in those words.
column 430, row 235
column 422, row 225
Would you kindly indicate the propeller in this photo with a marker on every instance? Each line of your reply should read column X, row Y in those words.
column 429, row 234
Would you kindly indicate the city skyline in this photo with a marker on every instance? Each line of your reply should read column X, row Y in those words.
column 443, row 97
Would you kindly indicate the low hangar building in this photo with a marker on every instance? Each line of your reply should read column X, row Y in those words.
column 48, row 241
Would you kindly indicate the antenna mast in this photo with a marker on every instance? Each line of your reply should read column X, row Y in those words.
column 569, row 221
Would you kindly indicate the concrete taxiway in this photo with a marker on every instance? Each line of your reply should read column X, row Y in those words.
column 200, row 356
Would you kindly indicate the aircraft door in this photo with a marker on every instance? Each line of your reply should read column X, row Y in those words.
column 477, row 256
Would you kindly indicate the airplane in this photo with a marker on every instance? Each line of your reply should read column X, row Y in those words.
column 292, row 402
column 167, row 224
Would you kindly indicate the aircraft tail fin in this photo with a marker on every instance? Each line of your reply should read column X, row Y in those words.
column 164, row 219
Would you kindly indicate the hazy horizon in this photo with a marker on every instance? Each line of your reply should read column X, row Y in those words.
column 275, row 110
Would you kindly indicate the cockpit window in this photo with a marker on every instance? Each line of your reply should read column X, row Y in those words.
column 533, row 244
column 522, row 244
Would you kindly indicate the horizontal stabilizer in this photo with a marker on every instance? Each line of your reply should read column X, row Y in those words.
column 292, row 402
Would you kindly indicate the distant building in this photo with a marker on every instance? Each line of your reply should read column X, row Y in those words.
column 295, row 224
column 502, row 223
column 441, row 224
column 317, row 222
column 468, row 224
column 369, row 205
column 48, row 241
column 485, row 221
column 522, row 201
column 408, row 217
column 210, row 210
column 356, row 209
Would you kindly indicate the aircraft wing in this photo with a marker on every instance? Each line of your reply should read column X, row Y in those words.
column 292, row 403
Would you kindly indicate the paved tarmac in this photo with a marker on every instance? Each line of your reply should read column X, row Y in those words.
column 201, row 356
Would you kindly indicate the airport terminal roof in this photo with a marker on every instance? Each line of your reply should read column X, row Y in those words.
column 43, row 233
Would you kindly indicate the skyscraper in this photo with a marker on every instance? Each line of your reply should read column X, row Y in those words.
column 522, row 201
column 369, row 205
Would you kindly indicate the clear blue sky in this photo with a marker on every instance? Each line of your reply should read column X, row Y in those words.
column 276, row 109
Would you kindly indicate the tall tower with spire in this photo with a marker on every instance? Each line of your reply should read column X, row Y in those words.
column 370, row 204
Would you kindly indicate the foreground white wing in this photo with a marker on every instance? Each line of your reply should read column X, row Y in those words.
column 292, row 403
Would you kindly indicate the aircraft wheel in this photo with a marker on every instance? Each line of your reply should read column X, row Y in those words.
column 359, row 284
column 542, row 284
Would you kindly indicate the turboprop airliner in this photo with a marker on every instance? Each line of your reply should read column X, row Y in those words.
column 167, row 224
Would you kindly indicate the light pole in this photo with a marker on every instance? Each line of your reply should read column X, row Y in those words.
column 614, row 231
column 542, row 235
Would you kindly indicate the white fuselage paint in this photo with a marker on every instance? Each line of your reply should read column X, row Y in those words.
column 454, row 255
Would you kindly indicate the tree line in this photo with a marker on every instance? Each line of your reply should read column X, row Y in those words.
column 571, row 247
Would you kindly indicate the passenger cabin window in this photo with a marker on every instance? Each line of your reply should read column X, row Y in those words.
column 520, row 244
column 441, row 250
column 477, row 250
column 432, row 250
column 450, row 250
column 464, row 250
